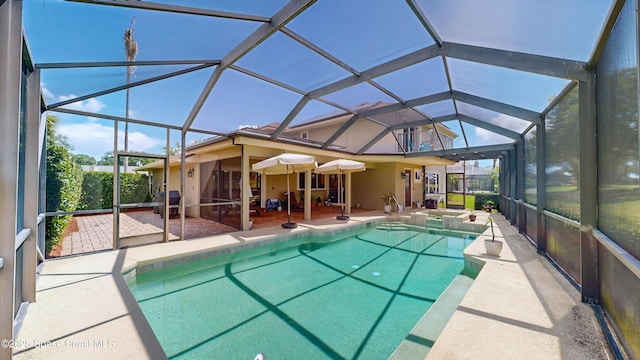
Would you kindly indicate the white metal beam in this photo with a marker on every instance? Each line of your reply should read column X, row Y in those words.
column 127, row 86
column 280, row 19
column 393, row 65
column 313, row 47
column 147, row 5
column 461, row 152
column 292, row 115
column 425, row 22
column 373, row 141
column 491, row 127
column 387, row 109
column 75, row 65
column 497, row 106
column 267, row 79
column 572, row 85
column 556, row 67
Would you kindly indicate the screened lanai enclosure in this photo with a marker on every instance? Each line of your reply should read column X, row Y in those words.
column 549, row 89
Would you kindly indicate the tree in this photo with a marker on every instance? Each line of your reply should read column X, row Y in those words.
column 53, row 137
column 84, row 159
column 173, row 150
column 107, row 159
column 494, row 175
column 64, row 184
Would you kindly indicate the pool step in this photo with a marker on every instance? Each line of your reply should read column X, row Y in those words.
column 393, row 227
column 435, row 223
column 422, row 337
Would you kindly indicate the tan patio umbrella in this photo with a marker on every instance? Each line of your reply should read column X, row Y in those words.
column 340, row 167
column 286, row 163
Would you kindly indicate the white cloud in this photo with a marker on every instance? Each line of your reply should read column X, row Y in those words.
column 95, row 139
column 490, row 137
column 90, row 105
column 504, row 121
column 46, row 94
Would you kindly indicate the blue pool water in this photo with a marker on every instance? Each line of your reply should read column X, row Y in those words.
column 354, row 296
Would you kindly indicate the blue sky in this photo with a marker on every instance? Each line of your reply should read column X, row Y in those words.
column 356, row 32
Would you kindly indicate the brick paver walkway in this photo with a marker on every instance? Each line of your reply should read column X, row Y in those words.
column 95, row 232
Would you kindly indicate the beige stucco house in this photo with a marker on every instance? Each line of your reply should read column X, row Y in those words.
column 216, row 169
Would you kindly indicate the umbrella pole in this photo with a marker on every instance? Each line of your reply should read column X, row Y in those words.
column 341, row 217
column 288, row 198
column 289, row 224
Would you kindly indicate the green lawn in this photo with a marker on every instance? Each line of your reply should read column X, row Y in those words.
column 456, row 199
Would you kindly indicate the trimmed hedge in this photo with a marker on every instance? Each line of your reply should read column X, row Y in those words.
column 92, row 191
column 64, row 188
column 134, row 188
column 97, row 190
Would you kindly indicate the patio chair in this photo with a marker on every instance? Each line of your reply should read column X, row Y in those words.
column 295, row 205
column 254, row 209
column 272, row 204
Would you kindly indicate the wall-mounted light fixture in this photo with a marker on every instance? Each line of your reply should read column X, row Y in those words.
column 403, row 174
column 190, row 172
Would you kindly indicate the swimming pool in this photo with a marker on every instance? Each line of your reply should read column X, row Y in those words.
column 356, row 295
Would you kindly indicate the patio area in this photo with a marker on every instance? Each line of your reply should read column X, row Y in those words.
column 519, row 304
column 95, row 232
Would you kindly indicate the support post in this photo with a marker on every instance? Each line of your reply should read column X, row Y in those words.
column 116, row 188
column 167, row 174
column 307, row 196
column 10, row 77
column 31, row 181
column 520, row 179
column 588, row 190
column 541, row 187
column 183, row 186
column 245, row 190
column 512, row 185
column 347, row 186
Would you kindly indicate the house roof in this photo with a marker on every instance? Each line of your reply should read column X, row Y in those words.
column 487, row 71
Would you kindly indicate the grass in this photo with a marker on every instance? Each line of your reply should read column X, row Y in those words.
column 456, row 199
column 619, row 211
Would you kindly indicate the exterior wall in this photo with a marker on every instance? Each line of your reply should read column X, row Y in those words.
column 369, row 186
column 191, row 194
column 276, row 186
column 192, row 186
column 386, row 145
column 354, row 138
column 318, row 134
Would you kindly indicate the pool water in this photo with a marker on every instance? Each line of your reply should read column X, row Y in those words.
column 352, row 297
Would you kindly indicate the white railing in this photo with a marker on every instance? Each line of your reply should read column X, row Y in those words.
column 397, row 203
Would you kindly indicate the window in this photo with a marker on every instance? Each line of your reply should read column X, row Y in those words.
column 317, row 181
column 448, row 142
column 408, row 140
column 433, row 183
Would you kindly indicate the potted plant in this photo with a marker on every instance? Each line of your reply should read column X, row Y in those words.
column 472, row 215
column 488, row 205
column 387, row 202
column 492, row 246
column 250, row 223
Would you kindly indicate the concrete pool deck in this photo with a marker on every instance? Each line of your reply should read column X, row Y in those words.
column 518, row 306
